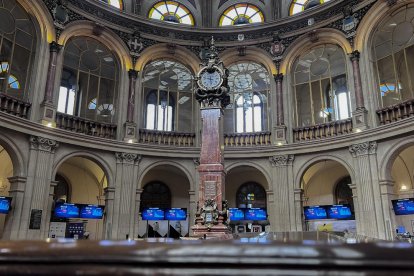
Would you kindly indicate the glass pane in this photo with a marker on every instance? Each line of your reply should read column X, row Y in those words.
column 257, row 118
column 150, row 116
column 318, row 113
column 63, row 93
column 71, row 102
column 239, row 119
column 403, row 77
column 387, row 79
column 303, row 105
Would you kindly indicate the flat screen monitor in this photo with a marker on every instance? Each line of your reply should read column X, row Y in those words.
column 90, row 211
column 236, row 214
column 255, row 214
column 152, row 214
column 339, row 211
column 315, row 212
column 403, row 206
column 5, row 203
column 67, row 210
column 176, row 214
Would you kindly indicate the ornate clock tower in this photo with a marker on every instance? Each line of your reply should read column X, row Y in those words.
column 212, row 93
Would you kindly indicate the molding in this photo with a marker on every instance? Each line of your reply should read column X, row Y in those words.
column 281, row 160
column 43, row 144
column 128, row 158
column 366, row 148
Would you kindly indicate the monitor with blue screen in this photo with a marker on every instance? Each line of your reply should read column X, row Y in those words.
column 403, row 206
column 315, row 212
column 5, row 203
column 255, row 214
column 339, row 212
column 90, row 211
column 152, row 214
column 67, row 210
column 236, row 214
column 176, row 214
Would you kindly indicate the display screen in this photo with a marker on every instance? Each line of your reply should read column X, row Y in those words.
column 255, row 214
column 5, row 203
column 236, row 214
column 176, row 214
column 90, row 211
column 152, row 214
column 403, row 206
column 339, row 212
column 67, row 210
column 315, row 212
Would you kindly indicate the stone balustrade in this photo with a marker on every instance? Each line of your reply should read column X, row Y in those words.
column 247, row 139
column 168, row 138
column 85, row 126
column 322, row 131
column 14, row 106
column 396, row 112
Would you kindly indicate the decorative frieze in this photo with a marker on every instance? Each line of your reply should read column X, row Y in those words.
column 366, row 148
column 281, row 160
column 131, row 158
column 43, row 144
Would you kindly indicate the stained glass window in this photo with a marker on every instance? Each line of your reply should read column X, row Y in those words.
column 172, row 12
column 241, row 14
column 298, row 6
column 115, row 3
column 12, row 83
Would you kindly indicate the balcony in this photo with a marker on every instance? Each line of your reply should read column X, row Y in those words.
column 167, row 138
column 321, row 131
column 251, row 139
column 14, row 106
column 396, row 112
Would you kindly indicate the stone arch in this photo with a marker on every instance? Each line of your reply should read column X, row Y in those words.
column 106, row 36
column 161, row 51
column 253, row 54
column 304, row 43
column 92, row 157
column 16, row 155
column 391, row 155
column 261, row 169
column 302, row 170
column 167, row 163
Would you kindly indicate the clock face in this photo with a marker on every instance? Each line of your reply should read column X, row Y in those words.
column 210, row 80
column 243, row 81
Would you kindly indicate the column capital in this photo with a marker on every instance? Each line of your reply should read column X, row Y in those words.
column 55, row 47
column 281, row 160
column 366, row 148
column 355, row 55
column 43, row 144
column 278, row 77
column 133, row 74
column 128, row 158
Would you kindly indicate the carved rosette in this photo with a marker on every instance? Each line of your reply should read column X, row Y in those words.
column 128, row 158
column 362, row 149
column 43, row 144
column 282, row 160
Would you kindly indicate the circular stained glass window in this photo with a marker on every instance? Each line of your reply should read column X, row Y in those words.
column 241, row 14
column 172, row 12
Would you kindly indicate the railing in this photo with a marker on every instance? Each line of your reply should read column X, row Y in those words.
column 396, row 112
column 85, row 126
column 14, row 106
column 247, row 139
column 168, row 138
column 322, row 131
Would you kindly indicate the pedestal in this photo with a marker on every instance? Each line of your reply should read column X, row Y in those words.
column 48, row 114
column 359, row 120
column 130, row 130
column 280, row 135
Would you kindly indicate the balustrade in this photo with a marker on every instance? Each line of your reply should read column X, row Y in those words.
column 396, row 112
column 14, row 106
column 168, row 138
column 247, row 139
column 322, row 131
column 85, row 126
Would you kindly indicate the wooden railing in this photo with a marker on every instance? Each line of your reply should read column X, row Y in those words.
column 396, row 112
column 169, row 138
column 247, row 139
column 85, row 126
column 14, row 106
column 322, row 131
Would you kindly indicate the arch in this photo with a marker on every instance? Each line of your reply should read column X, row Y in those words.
column 161, row 51
column 16, row 155
column 261, row 169
column 304, row 43
column 106, row 36
column 168, row 163
column 391, row 155
column 253, row 54
column 302, row 170
column 92, row 157
column 43, row 18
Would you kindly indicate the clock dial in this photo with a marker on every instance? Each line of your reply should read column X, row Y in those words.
column 243, row 81
column 210, row 80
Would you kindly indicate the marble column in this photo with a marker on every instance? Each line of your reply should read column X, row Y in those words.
column 109, row 193
column 283, row 191
column 280, row 128
column 387, row 194
column 359, row 115
column 130, row 125
column 125, row 195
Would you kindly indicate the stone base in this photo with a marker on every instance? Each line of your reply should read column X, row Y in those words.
column 280, row 135
column 221, row 232
column 359, row 120
column 48, row 114
column 130, row 130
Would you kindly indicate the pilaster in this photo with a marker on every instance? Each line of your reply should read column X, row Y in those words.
column 109, row 193
column 387, row 193
column 136, row 212
column 299, row 200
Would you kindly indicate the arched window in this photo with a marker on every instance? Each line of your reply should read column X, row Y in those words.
column 155, row 194
column 89, row 81
column 251, row 195
column 17, row 49
column 393, row 47
column 320, row 82
column 298, row 6
column 168, row 97
column 239, row 14
column 171, row 11
column 249, row 91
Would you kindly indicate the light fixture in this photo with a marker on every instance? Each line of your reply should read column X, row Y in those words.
column 130, row 141
column 403, row 187
column 357, row 130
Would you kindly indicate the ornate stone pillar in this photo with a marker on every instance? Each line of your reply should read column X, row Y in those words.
column 14, row 220
column 193, row 209
column 136, row 213
column 387, row 193
column 358, row 215
column 130, row 125
column 125, row 195
column 271, row 208
column 53, row 184
column 280, row 128
column 369, row 203
column 283, row 190
column 299, row 200
column 48, row 108
column 360, row 113
column 109, row 193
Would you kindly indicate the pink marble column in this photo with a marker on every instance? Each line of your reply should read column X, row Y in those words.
column 131, row 95
column 359, row 96
column 51, row 73
column 280, row 120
